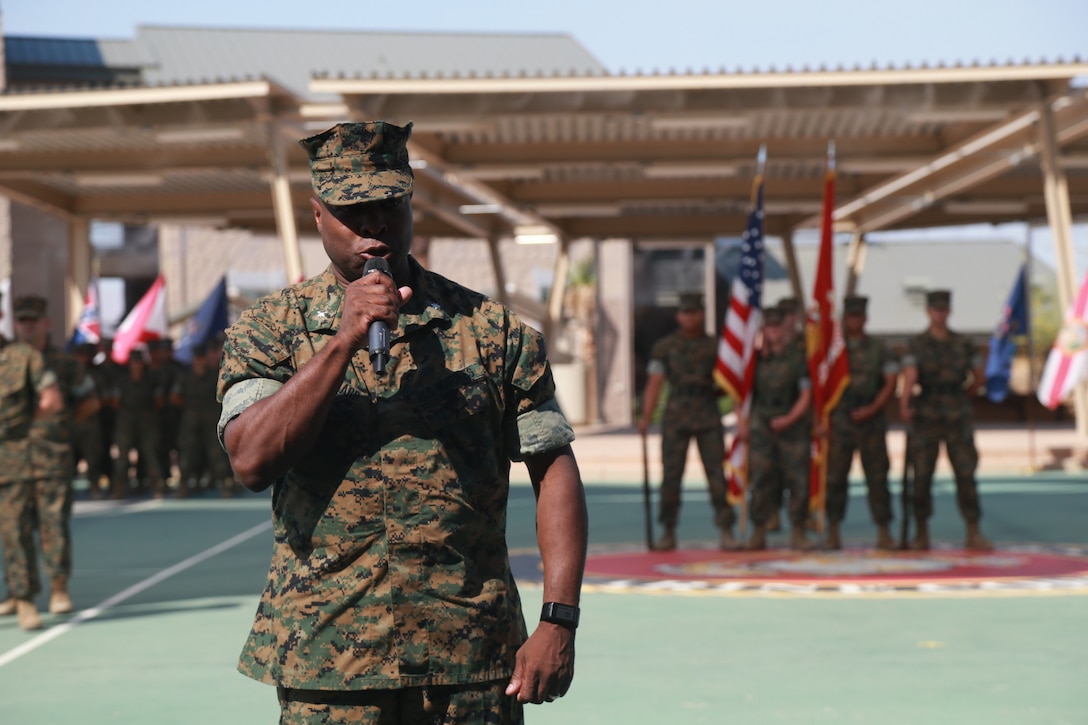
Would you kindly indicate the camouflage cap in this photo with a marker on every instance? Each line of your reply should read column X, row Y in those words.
column 29, row 307
column 939, row 298
column 855, row 305
column 789, row 305
column 690, row 301
column 773, row 316
column 358, row 162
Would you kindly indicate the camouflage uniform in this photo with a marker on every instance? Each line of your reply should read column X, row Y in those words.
column 199, row 451
column 390, row 567
column 691, row 411
column 778, row 460
column 165, row 371
column 137, row 426
column 87, row 433
column 51, row 459
column 23, row 376
column 942, row 412
column 107, row 376
column 870, row 361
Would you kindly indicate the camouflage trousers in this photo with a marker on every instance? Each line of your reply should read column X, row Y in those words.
column 142, row 433
column 199, row 452
column 484, row 703
column 53, row 516
column 53, row 466
column 87, row 446
column 675, row 441
column 869, row 440
column 959, row 441
column 777, row 462
column 17, row 537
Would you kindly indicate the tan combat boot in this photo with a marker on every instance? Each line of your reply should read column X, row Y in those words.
column 28, row 614
column 920, row 542
column 7, row 607
column 667, row 542
column 59, row 601
column 833, row 542
column 726, row 541
column 775, row 522
column 798, row 540
column 884, row 540
column 975, row 540
column 758, row 540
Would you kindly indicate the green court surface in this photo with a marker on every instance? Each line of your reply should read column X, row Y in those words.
column 165, row 593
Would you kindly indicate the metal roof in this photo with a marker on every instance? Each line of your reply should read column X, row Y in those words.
column 291, row 57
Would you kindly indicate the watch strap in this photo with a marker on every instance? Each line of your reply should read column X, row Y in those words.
column 561, row 614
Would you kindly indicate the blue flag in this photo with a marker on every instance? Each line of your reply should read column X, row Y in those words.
column 208, row 321
column 1014, row 321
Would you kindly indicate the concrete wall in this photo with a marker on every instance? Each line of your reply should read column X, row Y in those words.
column 39, row 262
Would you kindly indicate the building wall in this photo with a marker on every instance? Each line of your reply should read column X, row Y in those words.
column 39, row 262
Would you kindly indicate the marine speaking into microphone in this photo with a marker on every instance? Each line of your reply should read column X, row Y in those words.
column 378, row 333
column 387, row 487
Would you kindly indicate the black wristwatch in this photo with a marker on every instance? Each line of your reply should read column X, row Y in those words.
column 562, row 614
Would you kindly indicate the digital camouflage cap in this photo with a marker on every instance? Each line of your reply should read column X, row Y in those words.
column 855, row 305
column 29, row 307
column 690, row 301
column 939, row 298
column 789, row 305
column 358, row 162
column 773, row 316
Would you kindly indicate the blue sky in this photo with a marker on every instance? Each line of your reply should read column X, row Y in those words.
column 643, row 35
column 640, row 34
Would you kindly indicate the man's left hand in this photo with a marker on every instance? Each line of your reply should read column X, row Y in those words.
column 545, row 665
column 862, row 414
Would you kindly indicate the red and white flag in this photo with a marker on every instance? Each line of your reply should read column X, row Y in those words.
column 828, row 363
column 147, row 321
column 1067, row 363
column 735, row 368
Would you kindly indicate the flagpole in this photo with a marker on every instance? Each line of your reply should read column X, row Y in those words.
column 742, row 530
column 1028, row 268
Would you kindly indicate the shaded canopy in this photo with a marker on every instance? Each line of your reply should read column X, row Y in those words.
column 660, row 156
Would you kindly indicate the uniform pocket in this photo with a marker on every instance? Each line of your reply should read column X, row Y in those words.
column 15, row 407
column 457, row 396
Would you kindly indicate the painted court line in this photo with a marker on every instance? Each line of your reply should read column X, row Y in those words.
column 89, row 614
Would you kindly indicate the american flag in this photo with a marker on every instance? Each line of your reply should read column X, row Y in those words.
column 735, row 368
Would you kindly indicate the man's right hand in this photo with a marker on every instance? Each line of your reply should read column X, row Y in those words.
column 370, row 298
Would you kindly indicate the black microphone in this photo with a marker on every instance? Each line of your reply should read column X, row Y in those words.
column 379, row 330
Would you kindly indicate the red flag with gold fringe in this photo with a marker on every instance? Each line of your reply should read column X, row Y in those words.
column 828, row 363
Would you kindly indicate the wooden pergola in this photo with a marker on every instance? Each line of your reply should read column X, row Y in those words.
column 643, row 157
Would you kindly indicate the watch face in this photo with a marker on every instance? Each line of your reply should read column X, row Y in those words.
column 560, row 614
